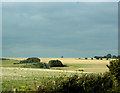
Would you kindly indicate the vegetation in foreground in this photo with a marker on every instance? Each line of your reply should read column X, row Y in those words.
column 85, row 83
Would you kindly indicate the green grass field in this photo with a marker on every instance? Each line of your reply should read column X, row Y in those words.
column 14, row 75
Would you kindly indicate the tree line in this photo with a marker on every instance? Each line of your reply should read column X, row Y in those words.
column 107, row 56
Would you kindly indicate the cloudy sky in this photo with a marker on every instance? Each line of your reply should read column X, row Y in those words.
column 59, row 29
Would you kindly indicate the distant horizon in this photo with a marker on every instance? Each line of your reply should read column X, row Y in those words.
column 59, row 57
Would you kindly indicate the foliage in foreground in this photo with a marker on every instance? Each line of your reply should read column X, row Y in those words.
column 114, row 69
column 108, row 82
column 87, row 83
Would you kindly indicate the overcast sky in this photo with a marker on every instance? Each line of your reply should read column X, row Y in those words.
column 59, row 29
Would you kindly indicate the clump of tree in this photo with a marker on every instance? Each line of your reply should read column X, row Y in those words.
column 114, row 56
column 31, row 60
column 114, row 69
column 55, row 63
column 34, row 62
column 91, row 58
column 101, row 57
column 97, row 57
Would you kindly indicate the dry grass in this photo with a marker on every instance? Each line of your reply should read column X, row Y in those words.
column 76, row 64
column 70, row 60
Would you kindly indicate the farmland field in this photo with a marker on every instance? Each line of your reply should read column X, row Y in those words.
column 14, row 76
column 73, row 64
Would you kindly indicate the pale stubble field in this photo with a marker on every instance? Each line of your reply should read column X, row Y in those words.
column 76, row 64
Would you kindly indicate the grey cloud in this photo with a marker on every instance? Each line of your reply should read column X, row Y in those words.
column 73, row 26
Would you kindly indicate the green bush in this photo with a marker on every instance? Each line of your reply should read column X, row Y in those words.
column 91, row 58
column 108, row 56
column 23, row 61
column 101, row 58
column 114, row 56
column 87, row 83
column 31, row 60
column 55, row 63
column 114, row 69
column 40, row 65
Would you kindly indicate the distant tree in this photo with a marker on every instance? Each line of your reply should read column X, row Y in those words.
column 86, row 58
column 118, row 56
column 104, row 56
column 91, row 58
column 101, row 58
column 108, row 56
column 61, row 56
column 97, row 57
column 114, row 56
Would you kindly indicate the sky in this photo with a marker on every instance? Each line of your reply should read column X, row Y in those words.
column 71, row 30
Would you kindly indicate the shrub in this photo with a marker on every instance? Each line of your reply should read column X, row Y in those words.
column 86, row 58
column 97, row 57
column 40, row 65
column 31, row 60
column 114, row 69
column 55, row 63
column 91, row 58
column 101, row 58
column 23, row 61
column 87, row 83
column 108, row 56
column 114, row 57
